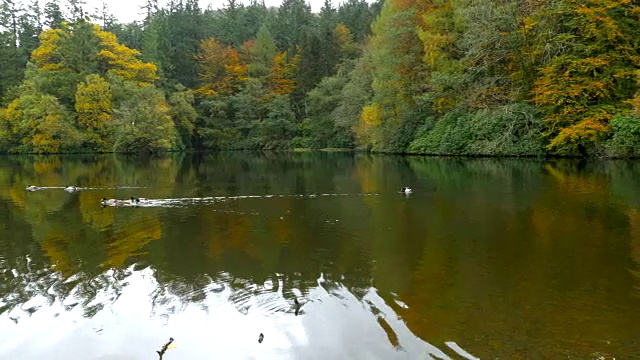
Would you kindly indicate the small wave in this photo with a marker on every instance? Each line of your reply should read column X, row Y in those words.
column 78, row 188
column 117, row 187
column 174, row 202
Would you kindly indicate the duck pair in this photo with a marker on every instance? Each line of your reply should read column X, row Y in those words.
column 406, row 190
column 116, row 202
column 68, row 188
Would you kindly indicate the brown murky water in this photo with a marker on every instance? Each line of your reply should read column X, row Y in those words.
column 486, row 258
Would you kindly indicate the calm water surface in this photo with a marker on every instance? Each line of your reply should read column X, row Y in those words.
column 494, row 259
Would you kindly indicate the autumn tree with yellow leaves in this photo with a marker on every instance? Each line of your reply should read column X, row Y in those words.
column 454, row 77
column 222, row 72
column 70, row 94
column 94, row 111
column 591, row 71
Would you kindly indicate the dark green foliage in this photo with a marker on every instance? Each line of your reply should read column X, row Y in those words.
column 355, row 94
column 292, row 20
column 19, row 29
column 30, row 27
column 236, row 23
column 277, row 129
column 130, row 35
column 358, row 15
column 625, row 141
column 512, row 130
column 262, row 53
column 319, row 58
column 450, row 135
column 319, row 128
column 12, row 69
column 184, row 115
column 216, row 130
column 250, row 109
column 171, row 41
column 356, row 74
column 142, row 120
column 234, row 122
column 53, row 17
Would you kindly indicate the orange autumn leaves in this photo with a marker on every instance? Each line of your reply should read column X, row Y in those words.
column 224, row 70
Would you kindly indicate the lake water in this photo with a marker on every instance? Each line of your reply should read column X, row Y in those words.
column 487, row 258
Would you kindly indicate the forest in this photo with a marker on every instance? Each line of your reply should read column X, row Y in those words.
column 434, row 77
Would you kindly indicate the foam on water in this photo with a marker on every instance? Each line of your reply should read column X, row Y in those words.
column 174, row 202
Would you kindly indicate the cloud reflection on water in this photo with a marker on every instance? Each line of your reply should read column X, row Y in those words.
column 334, row 324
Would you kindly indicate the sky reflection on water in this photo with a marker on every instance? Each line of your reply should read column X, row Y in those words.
column 503, row 258
column 333, row 324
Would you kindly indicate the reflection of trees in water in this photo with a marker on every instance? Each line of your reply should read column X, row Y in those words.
column 44, row 287
column 519, row 267
column 57, row 245
column 634, row 223
column 75, row 240
column 18, row 286
column 476, row 227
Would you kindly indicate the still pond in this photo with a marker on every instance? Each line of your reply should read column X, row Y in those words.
column 321, row 254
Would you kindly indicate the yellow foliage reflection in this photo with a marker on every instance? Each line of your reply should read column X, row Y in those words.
column 138, row 230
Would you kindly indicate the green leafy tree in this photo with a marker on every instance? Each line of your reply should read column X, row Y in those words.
column 625, row 141
column 397, row 58
column 277, row 130
column 319, row 128
column 357, row 15
column 11, row 56
column 355, row 95
column 292, row 19
column 53, row 16
column 30, row 26
column 216, row 128
column 76, row 10
column 131, row 35
column 251, row 107
column 261, row 52
column 143, row 120
column 184, row 115
column 173, row 40
column 237, row 23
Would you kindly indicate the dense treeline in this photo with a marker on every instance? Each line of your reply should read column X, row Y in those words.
column 456, row 77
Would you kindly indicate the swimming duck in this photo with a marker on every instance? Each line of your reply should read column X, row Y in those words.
column 137, row 201
column 406, row 190
column 70, row 188
column 32, row 188
column 113, row 202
